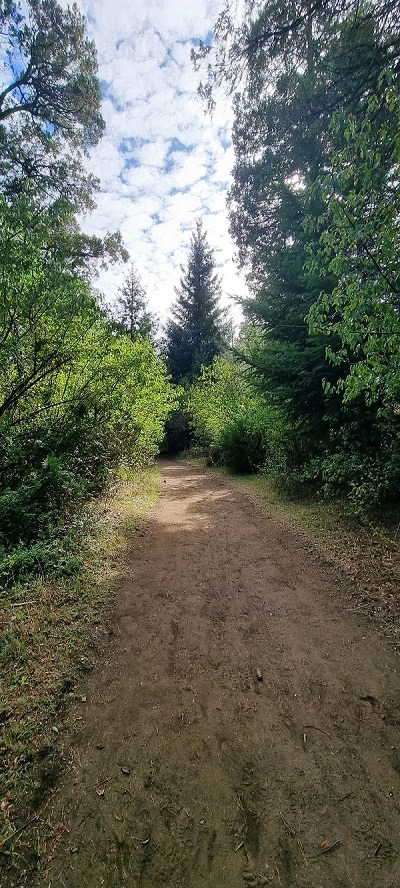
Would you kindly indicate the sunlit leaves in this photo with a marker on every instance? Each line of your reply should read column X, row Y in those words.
column 360, row 245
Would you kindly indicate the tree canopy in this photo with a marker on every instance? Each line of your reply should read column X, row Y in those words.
column 78, row 393
column 314, row 213
column 50, row 98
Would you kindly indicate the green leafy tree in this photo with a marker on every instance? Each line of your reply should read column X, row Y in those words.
column 195, row 334
column 45, row 299
column 50, row 101
column 360, row 245
column 275, row 39
column 132, row 307
column 52, row 70
column 316, row 173
column 75, row 395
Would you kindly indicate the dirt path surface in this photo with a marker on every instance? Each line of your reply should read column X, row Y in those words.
column 186, row 771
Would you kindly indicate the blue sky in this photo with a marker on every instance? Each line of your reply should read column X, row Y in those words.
column 162, row 162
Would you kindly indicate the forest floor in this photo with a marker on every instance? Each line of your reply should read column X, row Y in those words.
column 243, row 725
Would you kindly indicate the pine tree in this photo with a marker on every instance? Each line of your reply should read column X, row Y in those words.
column 194, row 336
column 132, row 308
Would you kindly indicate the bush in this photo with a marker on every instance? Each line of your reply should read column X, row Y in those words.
column 228, row 417
column 111, row 404
column 368, row 481
column 52, row 558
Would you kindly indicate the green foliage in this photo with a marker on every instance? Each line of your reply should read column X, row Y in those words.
column 76, row 395
column 177, row 433
column 195, row 335
column 230, row 419
column 72, row 426
column 367, row 478
column 12, row 647
column 132, row 309
column 360, row 245
column 50, row 102
column 314, row 210
column 283, row 140
column 53, row 555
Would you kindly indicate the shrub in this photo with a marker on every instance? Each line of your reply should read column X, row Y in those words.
column 228, row 415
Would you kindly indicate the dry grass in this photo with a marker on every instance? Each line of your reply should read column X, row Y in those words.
column 50, row 633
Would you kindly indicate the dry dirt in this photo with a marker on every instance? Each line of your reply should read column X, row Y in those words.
column 185, row 770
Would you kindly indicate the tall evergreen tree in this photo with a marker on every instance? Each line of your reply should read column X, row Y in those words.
column 299, row 64
column 314, row 213
column 132, row 307
column 195, row 333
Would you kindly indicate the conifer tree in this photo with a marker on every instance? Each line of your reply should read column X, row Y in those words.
column 132, row 307
column 195, row 333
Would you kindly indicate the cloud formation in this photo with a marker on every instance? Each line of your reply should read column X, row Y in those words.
column 162, row 162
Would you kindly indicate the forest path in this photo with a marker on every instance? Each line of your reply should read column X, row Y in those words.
column 186, row 771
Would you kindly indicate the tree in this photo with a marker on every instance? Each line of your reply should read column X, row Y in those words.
column 52, row 71
column 50, row 104
column 233, row 423
column 360, row 245
column 275, row 37
column 314, row 211
column 132, row 308
column 46, row 305
column 293, row 66
column 76, row 395
column 194, row 336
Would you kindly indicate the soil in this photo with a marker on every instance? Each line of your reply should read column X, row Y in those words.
column 243, row 728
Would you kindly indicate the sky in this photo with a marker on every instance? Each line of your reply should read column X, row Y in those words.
column 163, row 161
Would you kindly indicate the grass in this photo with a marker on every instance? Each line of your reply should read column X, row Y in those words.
column 50, row 633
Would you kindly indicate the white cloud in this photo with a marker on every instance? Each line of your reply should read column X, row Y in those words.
column 162, row 161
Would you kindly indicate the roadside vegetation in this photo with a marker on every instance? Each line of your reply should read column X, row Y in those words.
column 306, row 402
column 80, row 391
column 53, row 631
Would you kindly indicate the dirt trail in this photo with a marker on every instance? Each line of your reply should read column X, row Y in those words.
column 211, row 777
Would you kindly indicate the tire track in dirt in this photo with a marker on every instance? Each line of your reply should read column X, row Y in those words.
column 228, row 781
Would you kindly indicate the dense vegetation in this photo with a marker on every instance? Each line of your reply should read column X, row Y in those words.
column 314, row 210
column 78, row 391
column 311, row 392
